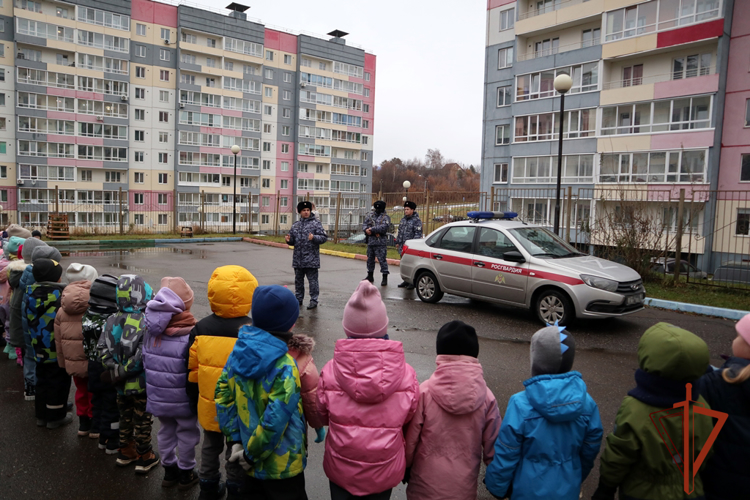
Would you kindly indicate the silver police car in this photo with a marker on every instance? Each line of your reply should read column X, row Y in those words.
column 495, row 258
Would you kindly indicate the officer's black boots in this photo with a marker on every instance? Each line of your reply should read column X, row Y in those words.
column 385, row 280
column 370, row 278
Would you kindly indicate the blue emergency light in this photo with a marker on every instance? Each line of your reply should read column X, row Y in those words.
column 476, row 215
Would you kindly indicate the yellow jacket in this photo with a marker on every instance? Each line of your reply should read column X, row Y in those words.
column 230, row 294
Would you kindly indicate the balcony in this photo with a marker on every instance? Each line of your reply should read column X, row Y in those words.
column 557, row 14
column 535, row 54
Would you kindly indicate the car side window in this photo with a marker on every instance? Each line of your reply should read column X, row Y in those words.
column 458, row 239
column 493, row 243
column 434, row 239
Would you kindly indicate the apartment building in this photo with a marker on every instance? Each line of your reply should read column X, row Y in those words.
column 124, row 112
column 658, row 104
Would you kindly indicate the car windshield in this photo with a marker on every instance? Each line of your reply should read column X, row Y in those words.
column 540, row 242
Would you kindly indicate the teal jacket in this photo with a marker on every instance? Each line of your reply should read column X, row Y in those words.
column 259, row 404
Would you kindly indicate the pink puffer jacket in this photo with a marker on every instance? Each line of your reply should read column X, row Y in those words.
column 300, row 348
column 457, row 421
column 366, row 394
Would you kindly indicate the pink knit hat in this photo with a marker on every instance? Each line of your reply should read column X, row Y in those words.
column 181, row 288
column 364, row 314
column 743, row 328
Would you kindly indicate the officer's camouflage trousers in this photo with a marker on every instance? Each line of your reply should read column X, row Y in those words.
column 135, row 422
column 381, row 252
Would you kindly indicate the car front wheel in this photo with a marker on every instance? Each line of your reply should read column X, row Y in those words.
column 428, row 289
column 554, row 306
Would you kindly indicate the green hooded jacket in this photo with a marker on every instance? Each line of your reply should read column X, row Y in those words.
column 635, row 458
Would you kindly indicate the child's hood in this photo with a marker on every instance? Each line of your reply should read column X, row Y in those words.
column 75, row 298
column 161, row 309
column 458, row 385
column 301, row 344
column 132, row 293
column 230, row 291
column 558, row 398
column 369, row 370
column 673, row 353
column 255, row 352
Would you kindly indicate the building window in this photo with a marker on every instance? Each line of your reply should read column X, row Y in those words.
column 287, row 95
column 138, row 218
column 140, row 114
column 747, row 112
column 267, row 146
column 505, row 58
column 140, row 29
column 162, row 217
column 507, row 19
column 543, row 169
column 269, row 91
column 640, row 19
column 189, row 79
column 546, row 47
column 285, row 148
column 85, row 175
column 164, row 116
column 138, row 177
column 269, row 74
column 578, row 123
column 140, row 72
column 226, row 181
column 501, row 173
column 691, row 66
column 138, row 156
column 164, row 55
column 165, row 34
column 657, row 116
column 163, row 137
column 286, row 113
column 267, row 110
column 366, row 108
column 365, row 123
column 365, row 155
column 138, row 199
column 188, row 38
column 504, row 96
column 745, row 170
column 210, row 82
column 163, row 178
column 266, row 183
column 210, row 62
column 164, row 158
column 502, row 135
column 283, row 202
column 269, row 55
column 140, row 93
column 140, row 136
column 287, row 59
column 285, row 166
column 211, row 42
column 367, row 77
column 140, row 51
column 266, row 164
column 266, row 128
column 539, row 85
column 743, row 222
column 367, row 92
column 591, row 37
column 632, row 75
column 265, row 219
column 110, row 176
column 285, row 130
column 164, row 75
column 686, row 166
column 163, row 96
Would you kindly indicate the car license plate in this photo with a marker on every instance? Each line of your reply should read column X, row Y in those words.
column 634, row 299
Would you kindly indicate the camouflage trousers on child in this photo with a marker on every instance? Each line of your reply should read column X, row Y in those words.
column 135, row 422
column 299, row 283
column 381, row 252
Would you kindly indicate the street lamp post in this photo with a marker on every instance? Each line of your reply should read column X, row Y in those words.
column 562, row 84
column 406, row 185
column 235, row 152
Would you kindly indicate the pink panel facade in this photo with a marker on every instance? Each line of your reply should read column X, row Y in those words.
column 154, row 12
column 370, row 67
column 64, row 92
column 278, row 40
column 150, row 201
column 707, row 84
column 12, row 197
column 491, row 4
column 686, row 140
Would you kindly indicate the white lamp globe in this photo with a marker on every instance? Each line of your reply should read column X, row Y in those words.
column 407, row 184
column 235, row 149
column 404, row 198
column 563, row 83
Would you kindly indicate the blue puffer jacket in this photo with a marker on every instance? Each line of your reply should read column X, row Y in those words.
column 307, row 252
column 549, row 438
column 27, row 279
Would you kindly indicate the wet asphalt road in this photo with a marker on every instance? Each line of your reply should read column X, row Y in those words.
column 40, row 463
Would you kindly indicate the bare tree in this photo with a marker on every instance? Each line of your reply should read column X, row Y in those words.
column 434, row 159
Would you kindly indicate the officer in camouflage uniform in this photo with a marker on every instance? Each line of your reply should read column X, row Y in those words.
column 410, row 228
column 306, row 235
column 376, row 228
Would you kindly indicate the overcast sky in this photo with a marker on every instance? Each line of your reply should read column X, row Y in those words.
column 430, row 66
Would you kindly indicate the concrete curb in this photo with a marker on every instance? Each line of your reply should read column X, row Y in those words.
column 335, row 253
column 137, row 243
column 719, row 312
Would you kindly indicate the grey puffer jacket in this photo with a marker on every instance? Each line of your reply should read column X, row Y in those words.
column 379, row 225
column 410, row 228
column 306, row 251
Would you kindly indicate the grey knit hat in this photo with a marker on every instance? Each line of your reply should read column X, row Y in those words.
column 552, row 351
column 42, row 252
column 16, row 230
column 29, row 246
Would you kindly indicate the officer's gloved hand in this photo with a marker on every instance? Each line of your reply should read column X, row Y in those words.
column 321, row 435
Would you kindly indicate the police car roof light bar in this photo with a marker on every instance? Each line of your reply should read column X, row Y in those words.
column 477, row 215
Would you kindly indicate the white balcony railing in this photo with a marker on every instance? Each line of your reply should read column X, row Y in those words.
column 557, row 50
column 664, row 77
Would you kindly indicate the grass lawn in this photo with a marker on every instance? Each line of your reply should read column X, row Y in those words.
column 700, row 294
column 339, row 247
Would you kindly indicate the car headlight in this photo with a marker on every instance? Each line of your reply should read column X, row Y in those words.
column 598, row 282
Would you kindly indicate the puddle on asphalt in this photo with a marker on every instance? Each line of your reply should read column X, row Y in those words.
column 124, row 252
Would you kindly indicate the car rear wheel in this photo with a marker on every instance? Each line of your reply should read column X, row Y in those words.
column 428, row 289
column 554, row 306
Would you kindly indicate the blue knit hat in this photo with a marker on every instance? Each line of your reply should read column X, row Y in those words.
column 275, row 308
column 13, row 243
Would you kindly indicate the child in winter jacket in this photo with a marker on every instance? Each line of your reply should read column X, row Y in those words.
column 165, row 354
column 306, row 235
column 635, row 458
column 230, row 294
column 106, row 416
column 69, row 339
column 366, row 394
column 122, row 356
column 728, row 390
column 300, row 348
column 40, row 310
column 10, row 252
column 456, row 420
column 551, row 432
column 259, row 403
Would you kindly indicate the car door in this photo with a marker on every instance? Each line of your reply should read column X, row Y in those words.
column 491, row 275
column 452, row 258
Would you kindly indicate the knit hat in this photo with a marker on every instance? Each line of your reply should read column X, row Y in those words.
column 28, row 248
column 181, row 288
column 80, row 272
column 47, row 270
column 275, row 308
column 12, row 244
column 303, row 205
column 364, row 314
column 103, row 294
column 410, row 204
column 457, row 338
column 552, row 351
column 379, row 206
column 43, row 252
column 36, row 233
column 743, row 328
column 16, row 230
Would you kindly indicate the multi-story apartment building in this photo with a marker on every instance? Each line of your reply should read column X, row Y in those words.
column 656, row 86
column 125, row 111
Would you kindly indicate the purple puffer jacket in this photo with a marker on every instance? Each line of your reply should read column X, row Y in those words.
column 165, row 355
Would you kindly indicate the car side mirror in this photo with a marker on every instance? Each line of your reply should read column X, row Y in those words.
column 514, row 256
